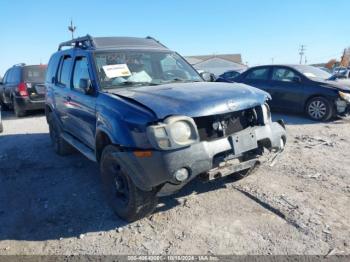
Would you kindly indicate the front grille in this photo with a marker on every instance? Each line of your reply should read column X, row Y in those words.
column 218, row 126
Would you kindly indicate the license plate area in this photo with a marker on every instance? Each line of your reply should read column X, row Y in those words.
column 40, row 89
column 243, row 142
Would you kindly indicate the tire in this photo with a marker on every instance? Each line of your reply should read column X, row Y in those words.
column 127, row 201
column 319, row 109
column 18, row 111
column 3, row 105
column 60, row 146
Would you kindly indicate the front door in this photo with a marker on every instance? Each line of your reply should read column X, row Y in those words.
column 82, row 111
column 287, row 89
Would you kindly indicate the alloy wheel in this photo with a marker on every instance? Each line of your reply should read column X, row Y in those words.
column 317, row 109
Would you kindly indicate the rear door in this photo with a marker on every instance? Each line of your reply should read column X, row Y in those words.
column 34, row 77
column 62, row 89
column 82, row 111
column 288, row 89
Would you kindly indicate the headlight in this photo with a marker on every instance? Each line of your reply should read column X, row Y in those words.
column 175, row 132
column 344, row 96
column 181, row 132
column 266, row 113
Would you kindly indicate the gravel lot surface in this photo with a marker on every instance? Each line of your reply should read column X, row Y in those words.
column 54, row 205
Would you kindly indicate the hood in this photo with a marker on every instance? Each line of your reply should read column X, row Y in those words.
column 195, row 99
column 341, row 85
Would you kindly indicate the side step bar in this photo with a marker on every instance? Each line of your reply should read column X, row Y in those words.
column 87, row 152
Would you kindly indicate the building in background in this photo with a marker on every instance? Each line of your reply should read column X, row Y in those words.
column 217, row 64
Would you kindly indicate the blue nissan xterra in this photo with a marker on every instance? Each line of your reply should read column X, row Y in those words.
column 150, row 121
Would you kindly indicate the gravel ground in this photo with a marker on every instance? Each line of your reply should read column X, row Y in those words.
column 54, row 205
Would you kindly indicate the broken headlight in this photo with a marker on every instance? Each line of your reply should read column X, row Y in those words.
column 344, row 96
column 174, row 132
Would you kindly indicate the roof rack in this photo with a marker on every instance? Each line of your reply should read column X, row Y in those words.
column 19, row 64
column 82, row 42
column 152, row 38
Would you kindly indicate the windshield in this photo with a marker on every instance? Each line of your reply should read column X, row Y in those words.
column 312, row 72
column 34, row 73
column 139, row 68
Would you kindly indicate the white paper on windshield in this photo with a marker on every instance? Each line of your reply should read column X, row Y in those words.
column 117, row 70
column 309, row 74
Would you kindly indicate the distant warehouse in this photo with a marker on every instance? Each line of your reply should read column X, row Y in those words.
column 217, row 64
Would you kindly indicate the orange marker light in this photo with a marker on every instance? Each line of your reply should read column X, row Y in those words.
column 143, row 153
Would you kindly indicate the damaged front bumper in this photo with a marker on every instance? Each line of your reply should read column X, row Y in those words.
column 158, row 169
column 343, row 107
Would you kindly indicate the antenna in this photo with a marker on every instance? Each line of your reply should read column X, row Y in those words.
column 72, row 28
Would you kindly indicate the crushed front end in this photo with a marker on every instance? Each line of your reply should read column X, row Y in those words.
column 216, row 145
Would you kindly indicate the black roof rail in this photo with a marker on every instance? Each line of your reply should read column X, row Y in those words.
column 19, row 64
column 82, row 42
column 152, row 38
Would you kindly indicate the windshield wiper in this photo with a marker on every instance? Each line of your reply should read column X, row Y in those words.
column 178, row 80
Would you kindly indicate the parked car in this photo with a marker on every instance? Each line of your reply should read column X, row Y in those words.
column 23, row 89
column 147, row 117
column 228, row 76
column 1, row 126
column 300, row 88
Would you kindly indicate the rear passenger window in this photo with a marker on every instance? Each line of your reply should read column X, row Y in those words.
column 64, row 71
column 81, row 71
column 52, row 68
column 258, row 74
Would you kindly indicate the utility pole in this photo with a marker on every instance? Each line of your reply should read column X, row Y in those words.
column 72, row 28
column 301, row 53
column 272, row 60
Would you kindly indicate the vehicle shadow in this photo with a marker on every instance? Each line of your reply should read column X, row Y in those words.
column 299, row 119
column 44, row 196
column 9, row 114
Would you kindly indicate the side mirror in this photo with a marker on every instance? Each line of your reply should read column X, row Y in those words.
column 296, row 79
column 85, row 84
column 53, row 80
column 1, row 83
column 207, row 77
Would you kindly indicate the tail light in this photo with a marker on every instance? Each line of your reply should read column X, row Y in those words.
column 22, row 89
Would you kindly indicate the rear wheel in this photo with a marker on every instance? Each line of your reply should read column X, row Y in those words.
column 60, row 146
column 128, row 202
column 19, row 112
column 319, row 109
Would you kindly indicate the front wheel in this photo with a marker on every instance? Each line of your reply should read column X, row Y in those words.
column 128, row 202
column 319, row 109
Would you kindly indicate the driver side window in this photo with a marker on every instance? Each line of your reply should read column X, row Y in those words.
column 81, row 71
column 283, row 74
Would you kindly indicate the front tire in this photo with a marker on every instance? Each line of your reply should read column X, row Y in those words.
column 319, row 109
column 127, row 201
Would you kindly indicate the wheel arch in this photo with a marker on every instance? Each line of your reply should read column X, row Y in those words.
column 103, row 139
